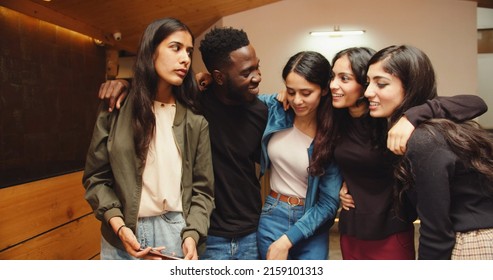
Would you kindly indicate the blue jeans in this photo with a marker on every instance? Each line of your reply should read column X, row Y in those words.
column 163, row 230
column 223, row 248
column 277, row 218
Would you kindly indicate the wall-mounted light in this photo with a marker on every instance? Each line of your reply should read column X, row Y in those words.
column 98, row 42
column 337, row 32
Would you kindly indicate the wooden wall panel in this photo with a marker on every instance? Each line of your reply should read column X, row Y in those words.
column 48, row 220
column 50, row 78
column 485, row 40
column 34, row 208
column 78, row 240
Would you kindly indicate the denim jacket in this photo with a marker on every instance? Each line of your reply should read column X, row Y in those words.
column 322, row 194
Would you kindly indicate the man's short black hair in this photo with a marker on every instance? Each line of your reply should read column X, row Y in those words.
column 218, row 44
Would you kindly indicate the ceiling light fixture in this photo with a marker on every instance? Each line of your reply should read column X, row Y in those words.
column 337, row 32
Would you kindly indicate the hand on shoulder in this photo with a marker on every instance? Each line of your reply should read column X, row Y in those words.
column 114, row 93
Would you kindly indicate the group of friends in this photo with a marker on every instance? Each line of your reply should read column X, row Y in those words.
column 171, row 172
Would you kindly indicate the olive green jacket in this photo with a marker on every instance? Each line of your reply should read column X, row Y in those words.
column 113, row 173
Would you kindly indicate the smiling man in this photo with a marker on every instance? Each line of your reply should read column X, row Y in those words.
column 236, row 121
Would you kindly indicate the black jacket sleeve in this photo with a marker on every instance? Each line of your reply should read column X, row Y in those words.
column 456, row 108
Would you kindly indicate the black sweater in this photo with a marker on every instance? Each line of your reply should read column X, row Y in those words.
column 368, row 173
column 449, row 196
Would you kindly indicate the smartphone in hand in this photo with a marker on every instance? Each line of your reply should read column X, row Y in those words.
column 163, row 256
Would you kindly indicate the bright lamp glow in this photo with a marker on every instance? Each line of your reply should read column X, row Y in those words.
column 337, row 33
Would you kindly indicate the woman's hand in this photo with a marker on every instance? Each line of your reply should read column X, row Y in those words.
column 132, row 246
column 398, row 136
column 279, row 249
column 126, row 235
column 346, row 199
column 281, row 97
column 190, row 249
column 152, row 256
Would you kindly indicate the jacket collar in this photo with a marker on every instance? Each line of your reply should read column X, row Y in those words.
column 180, row 114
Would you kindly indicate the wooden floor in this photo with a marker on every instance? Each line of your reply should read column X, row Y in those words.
column 334, row 246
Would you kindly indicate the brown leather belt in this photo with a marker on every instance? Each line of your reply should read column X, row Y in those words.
column 291, row 200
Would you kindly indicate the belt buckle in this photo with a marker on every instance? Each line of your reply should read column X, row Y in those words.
column 298, row 202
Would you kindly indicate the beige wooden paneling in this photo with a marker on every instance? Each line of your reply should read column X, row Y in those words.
column 77, row 240
column 34, row 208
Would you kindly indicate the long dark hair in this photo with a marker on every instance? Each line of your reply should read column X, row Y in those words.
column 358, row 58
column 144, row 85
column 471, row 144
column 468, row 141
column 413, row 67
column 316, row 69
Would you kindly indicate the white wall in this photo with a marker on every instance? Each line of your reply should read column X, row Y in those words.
column 485, row 18
column 445, row 31
column 485, row 70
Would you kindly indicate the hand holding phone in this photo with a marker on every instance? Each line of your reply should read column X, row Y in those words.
column 163, row 256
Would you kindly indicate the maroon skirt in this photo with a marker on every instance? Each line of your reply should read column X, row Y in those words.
column 399, row 246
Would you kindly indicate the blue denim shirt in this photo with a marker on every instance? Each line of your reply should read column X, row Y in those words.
column 322, row 194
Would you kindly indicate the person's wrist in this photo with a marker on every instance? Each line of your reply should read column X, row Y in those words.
column 120, row 229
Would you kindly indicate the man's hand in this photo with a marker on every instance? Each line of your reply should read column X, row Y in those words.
column 398, row 136
column 204, row 79
column 113, row 91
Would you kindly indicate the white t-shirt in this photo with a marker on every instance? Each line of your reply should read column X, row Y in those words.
column 161, row 186
column 288, row 153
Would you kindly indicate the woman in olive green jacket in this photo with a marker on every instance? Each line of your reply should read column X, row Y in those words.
column 148, row 174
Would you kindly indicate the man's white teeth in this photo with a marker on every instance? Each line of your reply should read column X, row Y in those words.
column 374, row 103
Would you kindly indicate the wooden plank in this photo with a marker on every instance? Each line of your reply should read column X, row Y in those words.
column 78, row 240
column 34, row 208
column 40, row 12
column 485, row 40
column 100, row 19
column 485, row 3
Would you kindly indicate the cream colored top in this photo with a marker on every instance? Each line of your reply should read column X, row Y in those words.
column 288, row 152
column 161, row 186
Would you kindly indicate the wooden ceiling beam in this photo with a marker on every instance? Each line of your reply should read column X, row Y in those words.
column 484, row 3
column 40, row 12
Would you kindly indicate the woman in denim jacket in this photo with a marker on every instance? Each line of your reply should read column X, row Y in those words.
column 297, row 146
